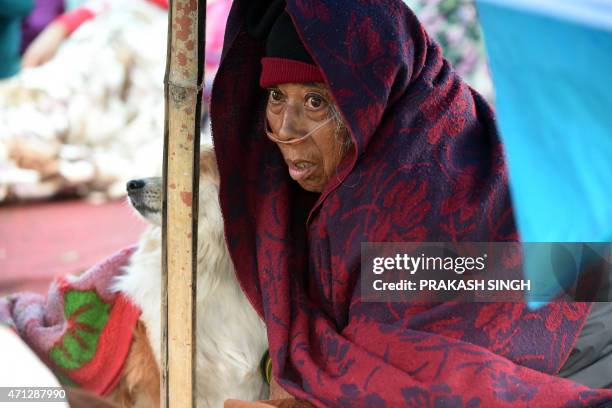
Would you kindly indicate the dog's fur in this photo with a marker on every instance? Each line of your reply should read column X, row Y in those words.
column 230, row 336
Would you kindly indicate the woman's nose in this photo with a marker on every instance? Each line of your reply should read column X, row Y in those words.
column 291, row 124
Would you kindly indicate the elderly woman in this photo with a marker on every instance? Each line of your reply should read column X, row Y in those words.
column 337, row 123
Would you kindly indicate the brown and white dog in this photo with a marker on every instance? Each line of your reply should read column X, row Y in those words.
column 230, row 336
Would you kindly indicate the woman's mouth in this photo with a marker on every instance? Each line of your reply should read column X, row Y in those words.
column 300, row 170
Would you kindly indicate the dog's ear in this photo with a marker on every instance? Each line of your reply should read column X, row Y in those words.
column 208, row 164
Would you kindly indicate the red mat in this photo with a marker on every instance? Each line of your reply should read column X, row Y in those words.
column 41, row 241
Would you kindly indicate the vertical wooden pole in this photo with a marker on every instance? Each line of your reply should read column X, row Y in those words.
column 183, row 93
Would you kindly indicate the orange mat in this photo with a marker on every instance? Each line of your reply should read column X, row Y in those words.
column 41, row 241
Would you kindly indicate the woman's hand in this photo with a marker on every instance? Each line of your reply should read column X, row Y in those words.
column 44, row 47
column 277, row 392
column 279, row 398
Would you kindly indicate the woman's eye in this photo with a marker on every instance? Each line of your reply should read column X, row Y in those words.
column 315, row 102
column 275, row 95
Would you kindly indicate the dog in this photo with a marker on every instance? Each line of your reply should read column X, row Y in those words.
column 230, row 337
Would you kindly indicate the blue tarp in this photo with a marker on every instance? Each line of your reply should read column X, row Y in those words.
column 551, row 63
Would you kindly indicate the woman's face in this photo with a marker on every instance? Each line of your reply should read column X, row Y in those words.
column 294, row 111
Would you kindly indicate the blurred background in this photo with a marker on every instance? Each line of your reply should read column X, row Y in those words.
column 81, row 112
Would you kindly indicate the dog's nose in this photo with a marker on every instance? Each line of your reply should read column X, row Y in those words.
column 134, row 185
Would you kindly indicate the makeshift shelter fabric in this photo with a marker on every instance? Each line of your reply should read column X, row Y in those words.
column 553, row 106
column 554, row 120
column 427, row 166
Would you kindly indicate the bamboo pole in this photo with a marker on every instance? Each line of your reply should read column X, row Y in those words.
column 183, row 93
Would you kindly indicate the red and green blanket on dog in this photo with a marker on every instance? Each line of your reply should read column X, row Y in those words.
column 82, row 329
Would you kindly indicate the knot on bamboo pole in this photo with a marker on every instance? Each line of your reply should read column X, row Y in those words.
column 179, row 91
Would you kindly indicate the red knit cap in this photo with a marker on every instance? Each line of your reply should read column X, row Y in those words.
column 282, row 70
